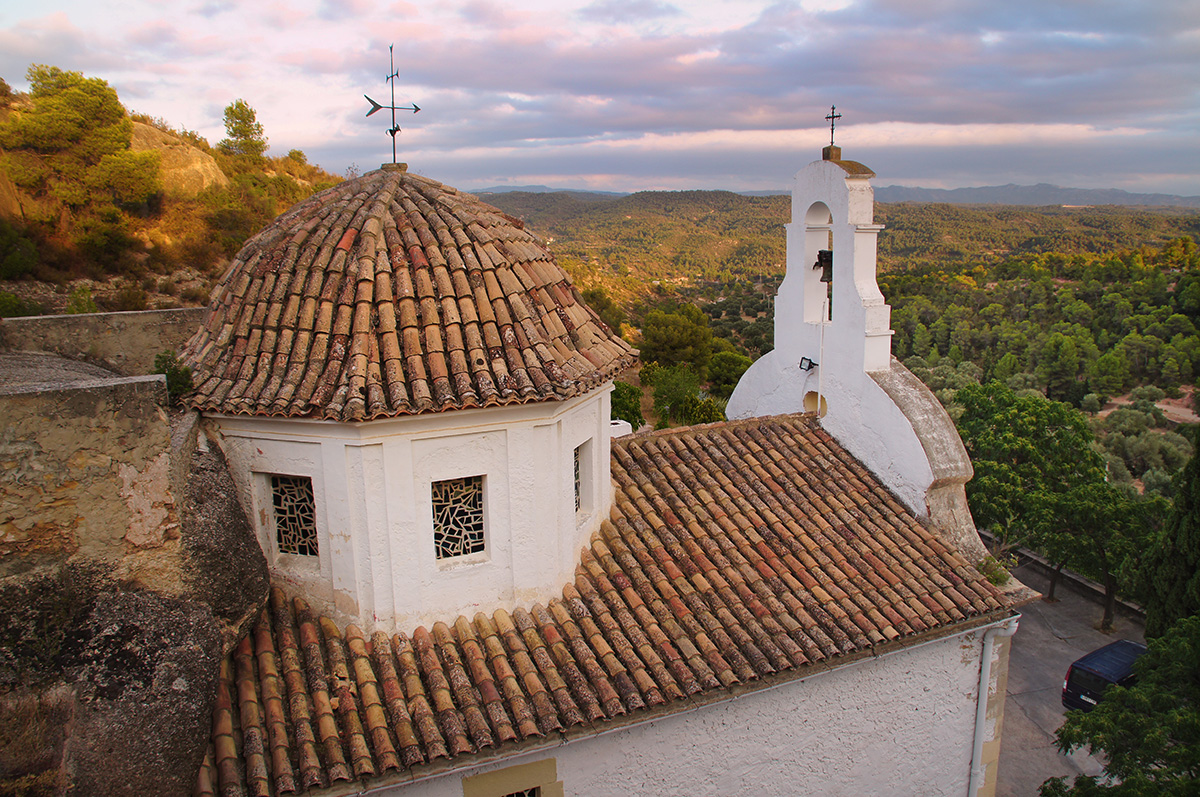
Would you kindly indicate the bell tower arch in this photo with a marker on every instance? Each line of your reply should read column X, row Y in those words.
column 830, row 313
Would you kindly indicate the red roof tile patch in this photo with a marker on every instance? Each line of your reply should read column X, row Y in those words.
column 796, row 555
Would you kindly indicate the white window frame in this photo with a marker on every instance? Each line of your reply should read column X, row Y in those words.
column 584, row 460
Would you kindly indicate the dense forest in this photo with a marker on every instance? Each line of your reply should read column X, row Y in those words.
column 653, row 242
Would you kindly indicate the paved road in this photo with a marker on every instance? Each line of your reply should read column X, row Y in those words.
column 1051, row 636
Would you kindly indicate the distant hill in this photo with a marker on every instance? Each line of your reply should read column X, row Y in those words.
column 628, row 244
column 1040, row 195
column 545, row 189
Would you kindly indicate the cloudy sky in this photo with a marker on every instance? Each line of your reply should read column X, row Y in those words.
column 653, row 94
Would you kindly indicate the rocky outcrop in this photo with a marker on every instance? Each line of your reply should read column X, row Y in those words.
column 223, row 565
column 143, row 669
column 10, row 200
column 109, row 645
column 185, row 169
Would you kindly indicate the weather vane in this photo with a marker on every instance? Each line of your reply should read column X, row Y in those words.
column 391, row 79
column 831, row 117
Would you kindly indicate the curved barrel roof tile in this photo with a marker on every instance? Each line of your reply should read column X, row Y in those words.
column 392, row 294
column 736, row 555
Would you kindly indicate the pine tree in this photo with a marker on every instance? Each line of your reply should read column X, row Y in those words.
column 246, row 136
column 1171, row 570
column 72, row 124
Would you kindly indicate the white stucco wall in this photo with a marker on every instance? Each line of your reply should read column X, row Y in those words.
column 372, row 487
column 900, row 724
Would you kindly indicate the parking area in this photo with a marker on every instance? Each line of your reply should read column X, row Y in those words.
column 1051, row 636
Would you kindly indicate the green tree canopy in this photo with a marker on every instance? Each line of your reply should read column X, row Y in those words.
column 1040, row 482
column 603, row 305
column 1171, row 569
column 725, row 368
column 1097, row 529
column 18, row 254
column 676, row 392
column 1026, row 450
column 627, row 404
column 71, row 125
column 678, row 336
column 244, row 132
column 130, row 179
column 1149, row 733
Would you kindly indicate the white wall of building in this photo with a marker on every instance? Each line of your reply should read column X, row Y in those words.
column 899, row 724
column 372, row 487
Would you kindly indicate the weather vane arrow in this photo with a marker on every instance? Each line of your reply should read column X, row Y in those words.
column 376, row 107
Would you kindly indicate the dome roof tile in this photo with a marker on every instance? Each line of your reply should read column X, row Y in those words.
column 392, row 294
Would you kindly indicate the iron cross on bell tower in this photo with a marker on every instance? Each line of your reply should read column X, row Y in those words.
column 832, row 153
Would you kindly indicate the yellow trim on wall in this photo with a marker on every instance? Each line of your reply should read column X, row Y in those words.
column 510, row 780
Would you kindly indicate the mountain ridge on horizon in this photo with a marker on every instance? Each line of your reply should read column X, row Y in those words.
column 1010, row 194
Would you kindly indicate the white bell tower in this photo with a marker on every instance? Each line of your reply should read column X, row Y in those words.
column 844, row 322
column 831, row 322
column 833, row 353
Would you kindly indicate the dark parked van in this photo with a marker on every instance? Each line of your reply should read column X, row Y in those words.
column 1088, row 677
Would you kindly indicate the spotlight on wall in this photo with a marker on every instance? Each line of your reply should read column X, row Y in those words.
column 807, row 364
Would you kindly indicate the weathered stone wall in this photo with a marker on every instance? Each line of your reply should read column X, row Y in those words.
column 123, row 342
column 84, row 471
column 127, row 571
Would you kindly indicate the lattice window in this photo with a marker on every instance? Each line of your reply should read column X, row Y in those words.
column 295, row 515
column 536, row 791
column 578, row 484
column 458, row 516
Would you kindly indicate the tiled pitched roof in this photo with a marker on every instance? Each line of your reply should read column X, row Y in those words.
column 735, row 553
column 392, row 294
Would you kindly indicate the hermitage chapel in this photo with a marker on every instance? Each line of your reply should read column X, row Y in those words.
column 453, row 575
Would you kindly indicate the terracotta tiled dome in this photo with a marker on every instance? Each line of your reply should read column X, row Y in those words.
column 392, row 294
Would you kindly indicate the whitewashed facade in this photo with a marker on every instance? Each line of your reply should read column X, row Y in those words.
column 376, row 563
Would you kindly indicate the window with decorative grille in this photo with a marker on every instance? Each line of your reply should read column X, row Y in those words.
column 536, row 791
column 458, row 526
column 295, row 515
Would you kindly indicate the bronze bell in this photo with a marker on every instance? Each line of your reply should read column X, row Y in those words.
column 825, row 263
